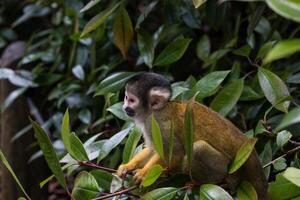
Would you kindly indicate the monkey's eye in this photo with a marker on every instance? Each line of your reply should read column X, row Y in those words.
column 131, row 100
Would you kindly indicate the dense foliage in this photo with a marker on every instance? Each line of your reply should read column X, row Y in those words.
column 238, row 58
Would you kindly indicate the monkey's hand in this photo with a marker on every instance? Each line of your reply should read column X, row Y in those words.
column 139, row 174
column 137, row 161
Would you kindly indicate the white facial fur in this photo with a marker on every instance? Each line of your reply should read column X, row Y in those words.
column 130, row 100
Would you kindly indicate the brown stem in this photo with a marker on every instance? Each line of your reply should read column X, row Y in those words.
column 287, row 153
column 116, row 193
column 90, row 164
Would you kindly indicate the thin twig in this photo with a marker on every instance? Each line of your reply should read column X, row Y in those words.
column 287, row 153
column 116, row 193
column 90, row 164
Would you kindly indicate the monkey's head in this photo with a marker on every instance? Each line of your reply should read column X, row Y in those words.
column 144, row 93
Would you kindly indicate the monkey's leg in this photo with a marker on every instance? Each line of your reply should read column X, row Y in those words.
column 208, row 165
column 137, row 161
column 140, row 173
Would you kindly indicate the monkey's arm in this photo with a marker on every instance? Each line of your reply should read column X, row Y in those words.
column 137, row 161
column 140, row 173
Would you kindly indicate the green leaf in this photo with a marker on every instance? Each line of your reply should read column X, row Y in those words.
column 146, row 47
column 103, row 178
column 12, row 97
column 171, row 142
column 280, row 164
column 249, row 94
column 290, row 118
column 243, row 51
column 172, row 52
column 123, row 30
column 22, row 198
column 77, row 150
column 203, row 48
column 274, row 89
column 85, row 116
column 209, row 84
column 282, row 138
column 166, row 193
column 246, row 191
column 198, row 3
column 288, row 8
column 189, row 133
column 111, row 143
column 145, row 14
column 65, row 131
column 213, row 192
column 9, row 168
column 49, row 153
column 85, row 186
column 113, row 83
column 99, row 19
column 282, row 189
column 292, row 174
column 118, row 111
column 157, row 137
column 228, row 97
column 89, row 5
column 242, row 155
column 152, row 175
column 283, row 49
column 266, row 157
column 131, row 144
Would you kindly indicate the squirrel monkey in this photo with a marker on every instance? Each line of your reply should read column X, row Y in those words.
column 216, row 140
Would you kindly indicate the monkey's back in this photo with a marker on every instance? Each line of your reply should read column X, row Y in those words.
column 217, row 131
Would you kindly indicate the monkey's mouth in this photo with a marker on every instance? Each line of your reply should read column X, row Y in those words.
column 130, row 112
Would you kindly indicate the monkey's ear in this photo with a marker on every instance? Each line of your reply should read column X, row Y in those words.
column 159, row 97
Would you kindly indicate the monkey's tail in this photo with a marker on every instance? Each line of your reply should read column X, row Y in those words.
column 255, row 175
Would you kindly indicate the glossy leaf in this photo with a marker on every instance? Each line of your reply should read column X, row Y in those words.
column 77, row 150
column 266, row 157
column 292, row 174
column 280, row 164
column 85, row 186
column 9, row 168
column 282, row 138
column 274, row 89
column 203, row 48
column 228, row 97
column 281, row 189
column 189, row 132
column 157, row 137
column 242, row 155
column 131, row 143
column 99, row 19
column 65, row 131
column 145, row 14
column 111, row 143
column 123, row 30
column 152, row 175
column 78, row 72
column 49, row 153
column 283, row 49
column 198, row 3
column 173, row 52
column 89, row 5
column 166, row 193
column 113, row 83
column 171, row 142
column 146, row 47
column 12, row 97
column 209, row 84
column 103, row 178
column 288, row 8
column 118, row 111
column 246, row 191
column 290, row 118
column 213, row 192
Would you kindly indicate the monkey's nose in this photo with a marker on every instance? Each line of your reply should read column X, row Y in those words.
column 129, row 111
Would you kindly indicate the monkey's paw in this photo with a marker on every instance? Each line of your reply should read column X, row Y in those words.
column 139, row 175
column 123, row 169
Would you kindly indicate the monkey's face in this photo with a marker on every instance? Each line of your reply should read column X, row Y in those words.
column 132, row 105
